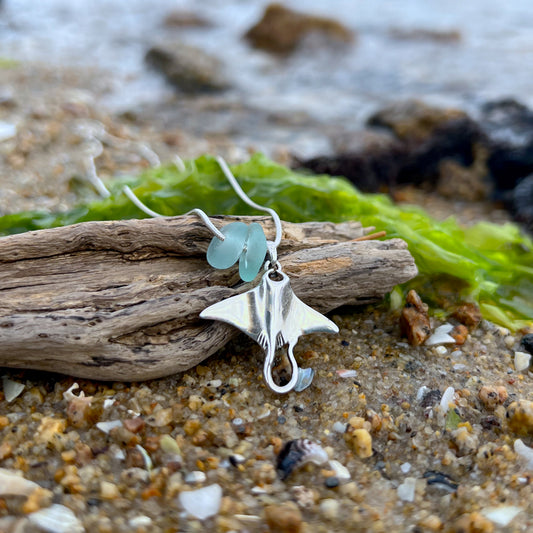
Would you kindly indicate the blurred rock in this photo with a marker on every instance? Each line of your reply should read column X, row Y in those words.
column 522, row 202
column 508, row 125
column 187, row 68
column 430, row 134
column 468, row 314
column 371, row 160
column 471, row 183
column 423, row 34
column 281, row 30
column 185, row 19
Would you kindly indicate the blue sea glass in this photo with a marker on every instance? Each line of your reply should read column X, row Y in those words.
column 253, row 255
column 223, row 254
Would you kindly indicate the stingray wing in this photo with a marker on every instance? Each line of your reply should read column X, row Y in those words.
column 302, row 319
column 244, row 311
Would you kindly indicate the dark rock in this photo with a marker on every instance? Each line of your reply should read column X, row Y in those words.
column 281, row 30
column 527, row 342
column 508, row 125
column 522, row 205
column 332, row 482
column 430, row 135
column 371, row 160
column 188, row 68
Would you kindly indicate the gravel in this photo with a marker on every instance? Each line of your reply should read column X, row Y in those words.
column 413, row 441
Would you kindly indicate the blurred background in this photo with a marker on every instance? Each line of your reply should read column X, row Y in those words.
column 300, row 81
column 450, row 52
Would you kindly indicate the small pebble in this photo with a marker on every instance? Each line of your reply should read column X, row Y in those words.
column 406, row 491
column 140, row 521
column 332, row 482
column 360, row 441
column 405, row 468
column 237, row 459
column 106, row 427
column 346, row 373
column 492, row 396
column 304, row 496
column 329, row 508
column 520, row 417
column 441, row 350
column 196, row 476
column 341, row 472
column 521, row 361
column 108, row 490
column 339, row 427
column 473, row 523
column 509, row 341
column 460, row 334
column 135, row 425
column 283, row 518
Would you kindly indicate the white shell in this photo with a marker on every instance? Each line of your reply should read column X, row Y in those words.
column 501, row 515
column 12, row 484
column 202, row 503
column 525, row 452
column 56, row 519
column 106, row 427
column 440, row 336
column 446, row 399
column 11, row 388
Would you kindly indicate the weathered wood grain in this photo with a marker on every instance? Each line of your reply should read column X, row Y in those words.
column 120, row 300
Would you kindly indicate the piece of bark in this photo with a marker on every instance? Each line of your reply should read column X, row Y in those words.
column 120, row 300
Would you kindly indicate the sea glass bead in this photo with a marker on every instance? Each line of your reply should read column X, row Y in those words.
column 223, row 254
column 253, row 255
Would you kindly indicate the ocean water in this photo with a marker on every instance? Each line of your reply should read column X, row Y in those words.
column 492, row 59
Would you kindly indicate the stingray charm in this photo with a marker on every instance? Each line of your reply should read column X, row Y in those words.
column 273, row 316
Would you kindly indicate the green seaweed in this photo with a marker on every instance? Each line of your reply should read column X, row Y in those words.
column 492, row 264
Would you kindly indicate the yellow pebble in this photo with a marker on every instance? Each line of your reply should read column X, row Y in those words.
column 360, row 441
column 108, row 490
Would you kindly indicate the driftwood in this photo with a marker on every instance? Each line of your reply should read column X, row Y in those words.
column 120, row 300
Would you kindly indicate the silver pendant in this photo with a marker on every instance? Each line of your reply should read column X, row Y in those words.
column 273, row 316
